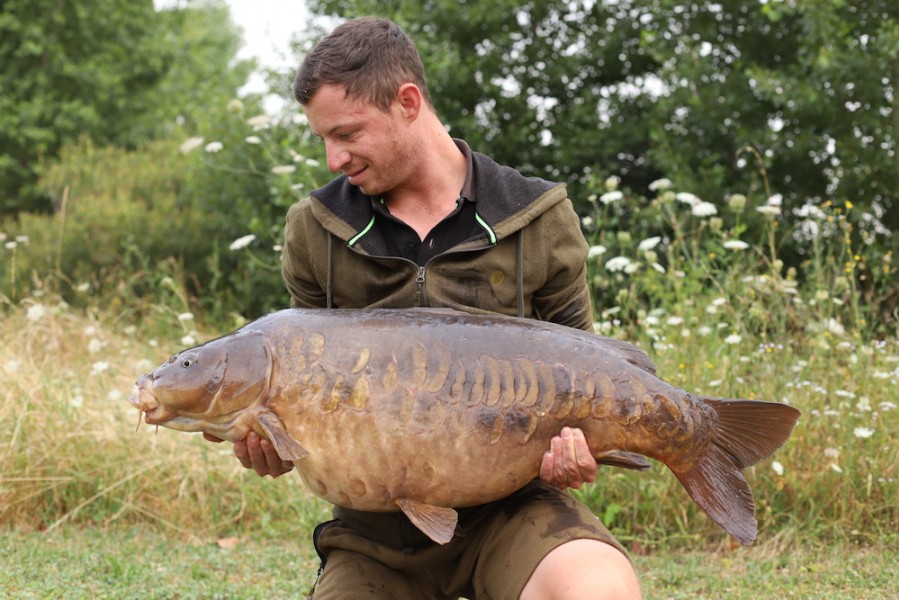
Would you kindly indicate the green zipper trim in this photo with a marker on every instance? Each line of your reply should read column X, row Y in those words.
column 356, row 237
column 486, row 227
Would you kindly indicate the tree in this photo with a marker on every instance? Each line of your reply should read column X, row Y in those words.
column 116, row 71
column 644, row 88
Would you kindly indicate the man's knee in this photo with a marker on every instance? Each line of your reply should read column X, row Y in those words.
column 582, row 569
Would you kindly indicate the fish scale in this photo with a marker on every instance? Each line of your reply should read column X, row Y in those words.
column 429, row 410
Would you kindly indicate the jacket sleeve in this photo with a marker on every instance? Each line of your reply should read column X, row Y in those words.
column 564, row 298
column 304, row 241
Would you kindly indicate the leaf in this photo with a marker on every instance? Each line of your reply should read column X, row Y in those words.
column 228, row 543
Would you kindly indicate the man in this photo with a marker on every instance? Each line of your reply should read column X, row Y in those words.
column 418, row 219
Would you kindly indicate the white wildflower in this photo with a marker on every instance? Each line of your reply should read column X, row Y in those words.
column 834, row 326
column 186, row 316
column 311, row 162
column 76, row 401
column 660, row 185
column 94, row 346
column 234, row 106
column 191, row 144
column 770, row 211
column 35, row 312
column 99, row 367
column 775, row 200
column 258, row 122
column 283, row 169
column 777, row 467
column 674, row 321
column 862, row 432
column 610, row 197
column 687, row 198
column 733, row 339
column 253, row 139
column 242, row 242
column 587, row 222
column 836, row 468
column 23, row 239
column 213, row 147
column 11, row 366
column 299, row 119
column 619, row 263
column 704, row 209
column 10, row 245
column 143, row 365
column 188, row 340
column 649, row 243
column 832, row 452
column 656, row 266
column 736, row 245
column 595, row 251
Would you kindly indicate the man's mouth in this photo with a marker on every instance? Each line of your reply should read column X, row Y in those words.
column 356, row 174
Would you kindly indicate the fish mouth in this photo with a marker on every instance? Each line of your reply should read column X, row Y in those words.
column 143, row 399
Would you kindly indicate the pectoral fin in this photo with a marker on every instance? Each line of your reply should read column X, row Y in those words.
column 623, row 460
column 436, row 522
column 287, row 447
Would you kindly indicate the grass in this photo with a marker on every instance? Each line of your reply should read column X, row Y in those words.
column 75, row 562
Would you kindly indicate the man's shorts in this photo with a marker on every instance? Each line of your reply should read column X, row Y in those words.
column 496, row 549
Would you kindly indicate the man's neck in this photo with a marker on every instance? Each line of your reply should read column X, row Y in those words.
column 431, row 194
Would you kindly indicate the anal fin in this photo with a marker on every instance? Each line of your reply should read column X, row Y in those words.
column 622, row 459
column 436, row 522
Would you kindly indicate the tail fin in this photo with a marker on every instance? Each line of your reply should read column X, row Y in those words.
column 748, row 431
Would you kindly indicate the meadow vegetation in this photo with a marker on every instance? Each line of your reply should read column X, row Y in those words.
column 126, row 273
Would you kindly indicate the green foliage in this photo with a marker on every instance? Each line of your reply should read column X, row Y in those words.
column 643, row 88
column 116, row 71
column 656, row 256
column 136, row 227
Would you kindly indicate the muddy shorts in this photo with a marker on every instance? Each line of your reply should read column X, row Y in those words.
column 495, row 550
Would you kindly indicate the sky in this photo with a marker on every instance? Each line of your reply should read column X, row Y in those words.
column 268, row 26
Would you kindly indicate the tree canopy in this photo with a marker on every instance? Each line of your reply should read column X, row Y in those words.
column 648, row 88
column 115, row 71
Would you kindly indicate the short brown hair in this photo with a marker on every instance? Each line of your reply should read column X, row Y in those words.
column 369, row 56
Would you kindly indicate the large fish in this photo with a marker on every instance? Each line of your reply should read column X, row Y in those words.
column 427, row 410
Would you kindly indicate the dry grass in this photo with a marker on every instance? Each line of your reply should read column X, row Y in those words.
column 69, row 452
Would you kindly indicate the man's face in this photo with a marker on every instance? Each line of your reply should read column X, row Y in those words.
column 370, row 146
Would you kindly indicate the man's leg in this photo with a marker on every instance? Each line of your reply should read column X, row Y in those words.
column 583, row 569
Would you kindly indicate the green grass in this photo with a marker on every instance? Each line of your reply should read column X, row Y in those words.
column 148, row 562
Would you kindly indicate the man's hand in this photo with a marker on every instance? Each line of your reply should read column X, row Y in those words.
column 257, row 454
column 569, row 462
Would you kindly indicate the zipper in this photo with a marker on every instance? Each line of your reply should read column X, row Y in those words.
column 420, row 298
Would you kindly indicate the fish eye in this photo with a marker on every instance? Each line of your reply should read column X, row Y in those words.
column 186, row 362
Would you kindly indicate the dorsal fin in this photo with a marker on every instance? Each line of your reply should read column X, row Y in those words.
column 632, row 354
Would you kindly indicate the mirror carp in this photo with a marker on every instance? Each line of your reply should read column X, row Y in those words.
column 428, row 410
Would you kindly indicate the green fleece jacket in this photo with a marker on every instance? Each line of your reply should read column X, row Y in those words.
column 529, row 260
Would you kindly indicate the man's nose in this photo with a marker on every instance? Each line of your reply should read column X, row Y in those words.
column 337, row 158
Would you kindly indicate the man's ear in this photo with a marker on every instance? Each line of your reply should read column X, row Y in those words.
column 410, row 101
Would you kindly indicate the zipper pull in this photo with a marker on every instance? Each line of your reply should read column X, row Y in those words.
column 420, row 280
